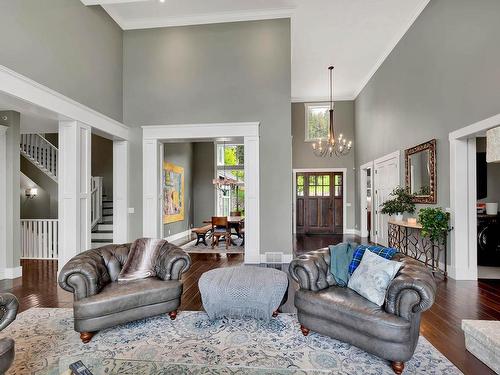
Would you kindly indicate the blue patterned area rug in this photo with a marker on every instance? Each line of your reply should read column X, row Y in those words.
column 192, row 344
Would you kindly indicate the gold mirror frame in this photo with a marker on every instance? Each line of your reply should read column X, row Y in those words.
column 431, row 146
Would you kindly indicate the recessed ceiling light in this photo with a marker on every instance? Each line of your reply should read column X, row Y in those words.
column 162, row 1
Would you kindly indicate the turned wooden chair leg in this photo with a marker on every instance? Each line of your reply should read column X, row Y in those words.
column 173, row 314
column 305, row 331
column 398, row 367
column 86, row 336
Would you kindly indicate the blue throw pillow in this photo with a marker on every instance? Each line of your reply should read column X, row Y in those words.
column 385, row 252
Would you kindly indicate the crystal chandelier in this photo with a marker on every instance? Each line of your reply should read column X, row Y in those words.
column 331, row 146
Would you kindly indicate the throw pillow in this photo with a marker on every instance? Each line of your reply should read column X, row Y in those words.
column 385, row 252
column 373, row 276
column 140, row 263
column 340, row 258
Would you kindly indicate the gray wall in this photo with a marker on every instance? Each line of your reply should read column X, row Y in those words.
column 102, row 163
column 217, row 73
column 37, row 208
column 492, row 175
column 443, row 75
column 303, row 156
column 12, row 120
column 73, row 49
column 181, row 154
column 203, row 189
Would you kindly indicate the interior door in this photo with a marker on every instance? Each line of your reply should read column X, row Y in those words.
column 386, row 178
column 319, row 203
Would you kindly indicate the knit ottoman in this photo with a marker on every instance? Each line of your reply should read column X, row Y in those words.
column 257, row 292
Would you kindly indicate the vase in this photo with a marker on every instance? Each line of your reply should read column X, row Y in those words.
column 398, row 217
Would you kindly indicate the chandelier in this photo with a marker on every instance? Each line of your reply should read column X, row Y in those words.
column 331, row 146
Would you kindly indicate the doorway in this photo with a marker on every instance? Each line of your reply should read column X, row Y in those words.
column 319, row 202
column 386, row 177
column 366, row 205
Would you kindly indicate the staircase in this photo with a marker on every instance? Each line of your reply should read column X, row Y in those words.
column 102, row 232
column 41, row 153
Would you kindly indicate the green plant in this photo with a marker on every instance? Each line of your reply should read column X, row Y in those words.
column 402, row 202
column 435, row 223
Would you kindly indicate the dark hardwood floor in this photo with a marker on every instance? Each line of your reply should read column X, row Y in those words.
column 441, row 325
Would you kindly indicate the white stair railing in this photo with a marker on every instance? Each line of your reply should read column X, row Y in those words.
column 41, row 153
column 39, row 239
column 96, row 201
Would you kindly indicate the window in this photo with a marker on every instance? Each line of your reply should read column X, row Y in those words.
column 317, row 117
column 230, row 163
column 319, row 186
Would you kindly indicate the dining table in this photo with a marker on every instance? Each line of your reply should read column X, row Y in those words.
column 234, row 222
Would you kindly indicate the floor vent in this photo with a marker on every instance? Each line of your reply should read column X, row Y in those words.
column 274, row 257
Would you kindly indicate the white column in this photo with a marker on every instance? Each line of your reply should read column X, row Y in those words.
column 252, row 204
column 3, row 200
column 74, row 189
column 151, row 219
column 120, row 191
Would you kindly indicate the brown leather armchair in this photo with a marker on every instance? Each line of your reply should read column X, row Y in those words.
column 390, row 331
column 100, row 301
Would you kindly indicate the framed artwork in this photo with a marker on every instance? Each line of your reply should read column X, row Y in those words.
column 173, row 193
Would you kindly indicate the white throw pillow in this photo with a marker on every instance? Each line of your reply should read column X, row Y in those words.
column 373, row 276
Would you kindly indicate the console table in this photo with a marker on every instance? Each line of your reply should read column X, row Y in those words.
column 407, row 238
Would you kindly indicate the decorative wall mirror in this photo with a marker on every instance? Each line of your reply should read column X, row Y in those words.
column 420, row 162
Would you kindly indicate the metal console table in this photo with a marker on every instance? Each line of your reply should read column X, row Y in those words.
column 406, row 237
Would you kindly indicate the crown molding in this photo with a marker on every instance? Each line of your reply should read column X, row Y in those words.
column 202, row 19
column 392, row 45
column 109, row 2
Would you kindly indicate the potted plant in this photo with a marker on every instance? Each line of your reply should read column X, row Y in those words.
column 401, row 203
column 435, row 223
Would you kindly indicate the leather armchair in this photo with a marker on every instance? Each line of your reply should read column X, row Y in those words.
column 100, row 301
column 8, row 306
column 390, row 332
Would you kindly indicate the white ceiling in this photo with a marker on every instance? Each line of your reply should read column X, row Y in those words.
column 353, row 35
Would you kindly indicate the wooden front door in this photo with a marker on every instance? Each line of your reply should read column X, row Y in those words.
column 319, row 202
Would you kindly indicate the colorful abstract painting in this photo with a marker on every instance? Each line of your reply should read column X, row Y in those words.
column 173, row 193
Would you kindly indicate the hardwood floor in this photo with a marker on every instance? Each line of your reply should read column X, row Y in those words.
column 441, row 325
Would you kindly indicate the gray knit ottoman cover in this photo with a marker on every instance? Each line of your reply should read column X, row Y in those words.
column 243, row 291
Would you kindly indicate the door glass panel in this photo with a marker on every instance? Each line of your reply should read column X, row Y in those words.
column 338, row 191
column 300, row 186
column 320, row 180
column 312, row 180
column 300, row 180
column 312, row 191
column 338, row 179
column 326, row 180
column 326, row 191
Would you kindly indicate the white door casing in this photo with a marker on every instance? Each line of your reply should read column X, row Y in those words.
column 386, row 177
column 363, row 200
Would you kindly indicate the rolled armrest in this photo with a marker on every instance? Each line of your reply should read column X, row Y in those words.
column 412, row 291
column 85, row 274
column 172, row 262
column 9, row 305
column 312, row 270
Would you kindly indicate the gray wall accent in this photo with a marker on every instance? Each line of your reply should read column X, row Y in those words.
column 181, row 154
column 492, row 175
column 36, row 208
column 102, row 163
column 203, row 189
column 443, row 75
column 13, row 228
column 217, row 73
column 303, row 156
column 33, row 208
column 71, row 48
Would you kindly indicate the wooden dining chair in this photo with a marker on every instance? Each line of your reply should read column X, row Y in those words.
column 220, row 228
column 235, row 213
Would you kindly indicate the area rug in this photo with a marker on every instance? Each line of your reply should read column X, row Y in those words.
column 221, row 249
column 192, row 344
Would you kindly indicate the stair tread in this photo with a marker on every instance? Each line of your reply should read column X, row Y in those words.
column 102, row 231
column 99, row 240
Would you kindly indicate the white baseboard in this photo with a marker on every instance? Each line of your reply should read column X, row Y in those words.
column 11, row 272
column 178, row 236
column 285, row 258
column 355, row 232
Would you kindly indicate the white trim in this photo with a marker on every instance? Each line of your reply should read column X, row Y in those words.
column 201, row 19
column 363, row 232
column 155, row 134
column 286, row 258
column 344, row 192
column 28, row 90
column 178, row 236
column 322, row 99
column 420, row 7
column 4, row 243
column 11, row 272
column 355, row 232
column 109, row 2
column 463, row 247
column 120, row 191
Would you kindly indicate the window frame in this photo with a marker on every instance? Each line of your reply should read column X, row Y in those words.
column 307, row 107
column 218, row 168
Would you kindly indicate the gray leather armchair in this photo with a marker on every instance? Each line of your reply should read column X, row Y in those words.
column 8, row 308
column 390, row 332
column 100, row 301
